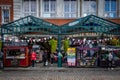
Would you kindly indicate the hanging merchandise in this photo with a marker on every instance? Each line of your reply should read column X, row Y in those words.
column 71, row 56
column 66, row 44
column 0, row 44
column 53, row 44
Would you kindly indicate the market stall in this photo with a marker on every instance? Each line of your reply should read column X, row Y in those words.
column 104, row 55
column 16, row 54
column 86, row 57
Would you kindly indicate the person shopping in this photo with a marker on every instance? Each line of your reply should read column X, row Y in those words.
column 33, row 58
column 110, row 60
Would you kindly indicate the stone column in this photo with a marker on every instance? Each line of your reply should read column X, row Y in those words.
column 82, row 8
column 101, row 8
column 41, row 10
column 78, row 8
column 37, row 8
column 17, row 9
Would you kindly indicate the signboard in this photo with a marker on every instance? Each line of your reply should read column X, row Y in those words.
column 15, row 44
column 71, row 53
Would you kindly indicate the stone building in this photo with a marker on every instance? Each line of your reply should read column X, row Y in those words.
column 59, row 11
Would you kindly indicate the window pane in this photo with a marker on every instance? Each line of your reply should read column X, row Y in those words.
column 6, row 15
column 33, row 14
column 46, row 6
column 73, row 6
column 107, row 6
column 110, row 8
column 112, row 14
column 86, row 8
column 70, row 8
column 33, row 6
column 26, row 6
column 66, row 6
column 53, row 6
column 49, row 8
column 66, row 15
column 53, row 15
column 26, row 14
column 73, row 15
column 46, row 15
column 113, row 5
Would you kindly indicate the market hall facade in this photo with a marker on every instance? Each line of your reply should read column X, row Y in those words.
column 62, row 10
column 64, row 13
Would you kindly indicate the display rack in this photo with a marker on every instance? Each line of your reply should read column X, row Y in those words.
column 86, row 59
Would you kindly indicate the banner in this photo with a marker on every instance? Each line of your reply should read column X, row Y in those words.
column 71, row 59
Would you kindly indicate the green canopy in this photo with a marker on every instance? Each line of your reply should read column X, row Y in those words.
column 29, row 24
column 89, row 23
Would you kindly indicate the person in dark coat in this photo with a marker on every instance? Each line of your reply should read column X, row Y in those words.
column 1, row 60
column 44, row 58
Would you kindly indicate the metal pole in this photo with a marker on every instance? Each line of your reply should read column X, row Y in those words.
column 59, row 50
column 59, row 43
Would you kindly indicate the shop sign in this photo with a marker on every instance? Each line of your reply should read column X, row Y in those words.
column 71, row 53
column 15, row 44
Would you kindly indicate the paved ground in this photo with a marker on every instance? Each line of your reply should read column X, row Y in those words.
column 55, row 73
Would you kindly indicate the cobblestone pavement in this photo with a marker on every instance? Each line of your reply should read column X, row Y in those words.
column 54, row 73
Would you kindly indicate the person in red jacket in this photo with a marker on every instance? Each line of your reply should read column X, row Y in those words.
column 33, row 58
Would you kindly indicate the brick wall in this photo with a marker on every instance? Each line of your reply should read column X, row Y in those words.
column 115, row 20
column 59, row 22
column 7, row 2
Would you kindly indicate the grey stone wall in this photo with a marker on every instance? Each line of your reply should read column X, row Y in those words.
column 17, row 8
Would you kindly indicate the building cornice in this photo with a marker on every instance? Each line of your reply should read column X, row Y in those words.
column 5, row 6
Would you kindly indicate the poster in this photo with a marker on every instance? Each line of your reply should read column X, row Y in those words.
column 71, row 53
